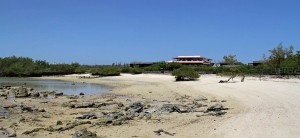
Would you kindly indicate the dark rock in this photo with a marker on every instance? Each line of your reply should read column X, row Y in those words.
column 117, row 123
column 45, row 95
column 59, row 94
column 136, row 107
column 216, row 110
column 158, row 132
column 120, row 104
column 42, row 110
column 217, row 113
column 98, row 104
column 216, row 107
column 114, row 115
column 4, row 93
column 84, row 105
column 6, row 86
column 81, row 93
column 175, row 108
column 182, row 109
column 59, row 123
column 223, row 81
column 9, row 106
column 21, row 93
column 35, row 94
column 26, row 108
column 83, row 133
column 167, row 108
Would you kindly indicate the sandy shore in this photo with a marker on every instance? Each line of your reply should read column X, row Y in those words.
column 267, row 108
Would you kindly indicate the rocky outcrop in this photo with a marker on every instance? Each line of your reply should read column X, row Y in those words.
column 216, row 110
column 19, row 92
column 175, row 108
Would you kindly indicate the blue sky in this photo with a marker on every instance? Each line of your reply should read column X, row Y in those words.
column 108, row 31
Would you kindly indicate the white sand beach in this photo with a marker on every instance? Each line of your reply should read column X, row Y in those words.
column 267, row 108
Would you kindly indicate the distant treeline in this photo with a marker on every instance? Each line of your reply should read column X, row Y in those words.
column 27, row 67
column 281, row 61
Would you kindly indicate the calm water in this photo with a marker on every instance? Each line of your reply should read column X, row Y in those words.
column 56, row 85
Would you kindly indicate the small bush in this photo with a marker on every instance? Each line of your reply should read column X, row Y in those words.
column 185, row 73
column 136, row 71
column 107, row 71
column 126, row 69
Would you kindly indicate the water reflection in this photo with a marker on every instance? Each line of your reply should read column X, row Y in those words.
column 68, row 88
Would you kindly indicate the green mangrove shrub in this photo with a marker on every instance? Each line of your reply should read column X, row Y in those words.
column 185, row 73
column 107, row 71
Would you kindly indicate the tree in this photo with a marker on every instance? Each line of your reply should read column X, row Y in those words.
column 230, row 59
column 279, row 54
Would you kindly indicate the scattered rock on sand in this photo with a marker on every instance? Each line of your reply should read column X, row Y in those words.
column 200, row 98
column 158, row 132
column 42, row 110
column 32, row 131
column 21, row 93
column 87, row 116
column 175, row 108
column 46, row 115
column 73, row 97
column 11, row 132
column 83, row 133
column 9, row 106
column 84, row 105
column 136, row 107
column 35, row 94
column 26, row 108
column 216, row 107
column 59, row 123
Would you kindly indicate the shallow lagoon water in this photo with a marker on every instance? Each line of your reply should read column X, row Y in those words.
column 68, row 88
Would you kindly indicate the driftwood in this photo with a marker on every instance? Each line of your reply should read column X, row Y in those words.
column 243, row 78
column 231, row 78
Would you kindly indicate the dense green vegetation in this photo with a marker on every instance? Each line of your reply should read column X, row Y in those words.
column 281, row 61
column 185, row 73
column 25, row 67
column 106, row 71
